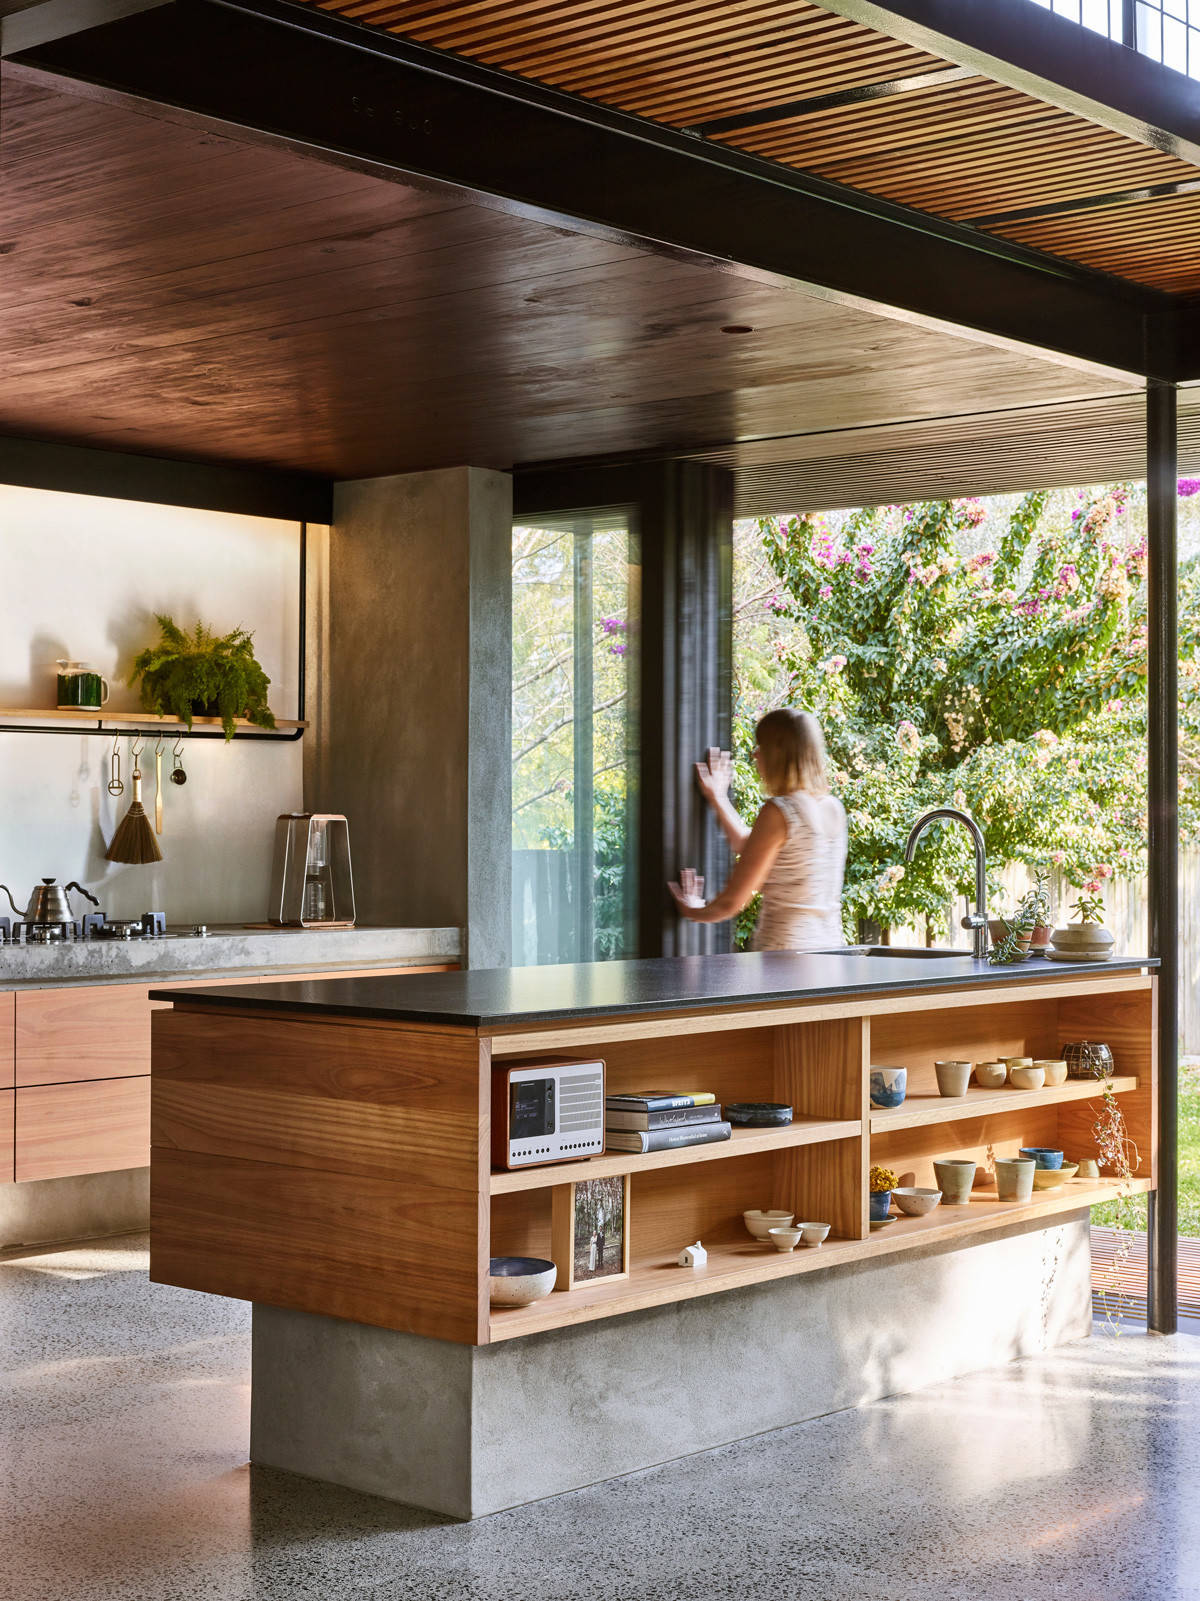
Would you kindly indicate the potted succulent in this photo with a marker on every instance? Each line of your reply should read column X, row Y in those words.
column 1027, row 929
column 881, row 1184
column 202, row 674
column 1086, row 939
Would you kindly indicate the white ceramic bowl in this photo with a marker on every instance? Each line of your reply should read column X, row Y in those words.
column 518, row 1280
column 784, row 1239
column 991, row 1075
column 760, row 1223
column 914, row 1202
column 815, row 1233
column 1026, row 1078
column 1056, row 1072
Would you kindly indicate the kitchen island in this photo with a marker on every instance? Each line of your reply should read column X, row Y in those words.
column 323, row 1150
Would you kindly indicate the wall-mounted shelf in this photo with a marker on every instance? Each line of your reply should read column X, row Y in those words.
column 919, row 1110
column 743, row 1142
column 106, row 722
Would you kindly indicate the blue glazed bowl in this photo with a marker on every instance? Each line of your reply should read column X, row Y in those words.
column 888, row 1086
column 1042, row 1155
column 881, row 1204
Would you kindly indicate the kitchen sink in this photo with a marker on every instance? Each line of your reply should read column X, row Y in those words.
column 907, row 952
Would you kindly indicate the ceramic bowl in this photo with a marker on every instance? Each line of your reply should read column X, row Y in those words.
column 759, row 1223
column 758, row 1114
column 814, row 1233
column 1043, row 1155
column 1055, row 1071
column 518, row 1280
column 1018, row 1061
column 915, row 1203
column 952, row 1077
column 1026, row 1078
column 991, row 1075
column 1049, row 1178
column 888, row 1086
column 784, row 1239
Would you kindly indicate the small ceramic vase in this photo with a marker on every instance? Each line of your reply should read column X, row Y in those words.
column 952, row 1077
column 991, row 1075
column 1014, row 1178
column 1055, row 1071
column 1088, row 1060
column 888, row 1085
column 1087, row 1168
column 954, row 1178
column 881, row 1204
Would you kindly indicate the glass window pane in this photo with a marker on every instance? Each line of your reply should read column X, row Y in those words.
column 1175, row 8
column 1149, row 31
column 1174, row 44
column 1095, row 15
column 575, row 615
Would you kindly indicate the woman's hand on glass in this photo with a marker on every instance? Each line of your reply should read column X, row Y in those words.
column 688, row 893
column 715, row 775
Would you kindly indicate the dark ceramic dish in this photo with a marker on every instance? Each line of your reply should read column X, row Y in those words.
column 759, row 1114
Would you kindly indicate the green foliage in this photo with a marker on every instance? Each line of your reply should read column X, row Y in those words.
column 1008, row 681
column 184, row 672
column 1032, row 909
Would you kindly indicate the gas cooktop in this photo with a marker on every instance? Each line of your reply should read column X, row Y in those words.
column 95, row 927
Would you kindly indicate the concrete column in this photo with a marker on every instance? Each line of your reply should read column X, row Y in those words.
column 467, row 1430
column 412, row 703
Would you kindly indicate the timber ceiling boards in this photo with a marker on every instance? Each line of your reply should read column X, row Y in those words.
column 848, row 103
column 169, row 290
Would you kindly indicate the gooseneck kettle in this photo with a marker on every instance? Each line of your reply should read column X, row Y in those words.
column 50, row 902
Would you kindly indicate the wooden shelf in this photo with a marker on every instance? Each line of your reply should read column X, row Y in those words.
column 132, row 720
column 734, row 1262
column 919, row 1110
column 743, row 1142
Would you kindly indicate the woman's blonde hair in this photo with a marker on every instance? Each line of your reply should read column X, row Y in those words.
column 791, row 752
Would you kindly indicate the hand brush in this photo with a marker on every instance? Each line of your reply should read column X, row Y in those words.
column 134, row 840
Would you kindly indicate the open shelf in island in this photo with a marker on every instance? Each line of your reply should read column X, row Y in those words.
column 918, row 1110
column 743, row 1142
column 734, row 1262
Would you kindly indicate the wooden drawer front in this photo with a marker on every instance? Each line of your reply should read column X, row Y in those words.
column 8, row 1043
column 8, row 1100
column 99, row 1031
column 97, row 1127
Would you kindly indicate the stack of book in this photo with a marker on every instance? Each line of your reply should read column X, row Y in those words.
column 662, row 1120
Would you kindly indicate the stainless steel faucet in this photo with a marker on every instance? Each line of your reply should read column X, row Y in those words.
column 976, row 921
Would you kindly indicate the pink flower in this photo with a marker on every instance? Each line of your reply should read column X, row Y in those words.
column 1058, row 857
column 825, row 591
column 1102, row 871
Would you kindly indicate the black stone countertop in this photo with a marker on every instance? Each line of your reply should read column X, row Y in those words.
column 494, row 997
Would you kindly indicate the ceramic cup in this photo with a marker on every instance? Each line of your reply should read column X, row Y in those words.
column 784, row 1239
column 954, row 1178
column 1014, row 1178
column 814, row 1233
column 1042, row 1155
column 991, row 1075
column 1018, row 1061
column 1026, row 1078
column 888, row 1086
column 880, row 1205
column 952, row 1077
column 1087, row 1168
column 1055, row 1071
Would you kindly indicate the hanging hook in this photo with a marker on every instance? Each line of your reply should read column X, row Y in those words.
column 135, row 748
column 177, row 753
column 116, row 784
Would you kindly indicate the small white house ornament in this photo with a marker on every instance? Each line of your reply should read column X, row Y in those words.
column 693, row 1255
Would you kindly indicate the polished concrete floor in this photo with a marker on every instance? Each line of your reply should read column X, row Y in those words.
column 123, row 1477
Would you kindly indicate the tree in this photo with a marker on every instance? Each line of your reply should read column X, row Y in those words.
column 1009, row 680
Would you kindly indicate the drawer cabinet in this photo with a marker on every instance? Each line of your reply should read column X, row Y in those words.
column 91, row 1127
column 99, row 1031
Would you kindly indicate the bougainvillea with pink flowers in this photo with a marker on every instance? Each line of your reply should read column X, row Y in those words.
column 1009, row 681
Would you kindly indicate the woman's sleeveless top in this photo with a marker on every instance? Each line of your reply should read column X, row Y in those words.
column 802, row 897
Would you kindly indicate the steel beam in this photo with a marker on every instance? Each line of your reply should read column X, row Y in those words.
column 363, row 96
column 1163, row 732
column 1050, row 57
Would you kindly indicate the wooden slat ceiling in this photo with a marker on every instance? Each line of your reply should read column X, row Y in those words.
column 169, row 290
column 1094, row 441
column 971, row 150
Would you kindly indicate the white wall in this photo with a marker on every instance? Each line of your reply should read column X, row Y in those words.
column 82, row 577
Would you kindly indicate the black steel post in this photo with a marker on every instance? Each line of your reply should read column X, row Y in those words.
column 1163, row 668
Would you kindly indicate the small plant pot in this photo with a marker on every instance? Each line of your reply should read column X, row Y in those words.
column 999, row 930
column 881, row 1205
column 1084, row 942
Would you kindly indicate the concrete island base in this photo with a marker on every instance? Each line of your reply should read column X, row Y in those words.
column 467, row 1430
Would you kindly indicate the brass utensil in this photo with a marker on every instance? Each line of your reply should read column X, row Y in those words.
column 178, row 776
column 158, row 755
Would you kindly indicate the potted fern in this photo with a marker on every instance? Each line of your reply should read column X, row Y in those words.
column 202, row 674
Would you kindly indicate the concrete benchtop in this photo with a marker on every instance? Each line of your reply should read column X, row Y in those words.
column 234, row 950
column 492, row 997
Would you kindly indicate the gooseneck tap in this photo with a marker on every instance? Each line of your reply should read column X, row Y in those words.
column 977, row 920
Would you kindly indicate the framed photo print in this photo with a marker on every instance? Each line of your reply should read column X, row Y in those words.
column 590, row 1230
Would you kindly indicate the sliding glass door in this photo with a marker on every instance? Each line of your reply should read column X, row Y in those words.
column 576, row 588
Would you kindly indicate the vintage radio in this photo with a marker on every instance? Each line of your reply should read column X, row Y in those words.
column 547, row 1112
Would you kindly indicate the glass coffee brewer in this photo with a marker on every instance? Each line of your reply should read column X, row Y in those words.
column 311, row 883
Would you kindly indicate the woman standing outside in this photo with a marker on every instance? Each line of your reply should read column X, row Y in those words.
column 796, row 850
